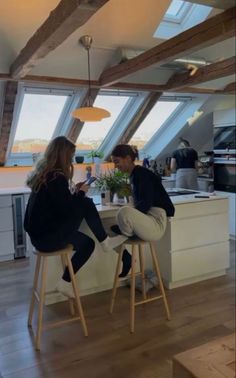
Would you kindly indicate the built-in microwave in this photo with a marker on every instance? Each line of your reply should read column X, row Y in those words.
column 225, row 139
column 225, row 175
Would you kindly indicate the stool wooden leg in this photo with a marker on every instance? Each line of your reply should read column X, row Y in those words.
column 158, row 273
column 132, row 289
column 116, row 279
column 35, row 285
column 70, row 300
column 141, row 262
column 77, row 297
column 41, row 302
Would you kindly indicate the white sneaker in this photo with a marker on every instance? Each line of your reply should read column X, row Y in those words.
column 112, row 242
column 65, row 288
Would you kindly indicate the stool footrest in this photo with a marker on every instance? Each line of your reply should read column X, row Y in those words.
column 60, row 322
column 36, row 294
column 148, row 300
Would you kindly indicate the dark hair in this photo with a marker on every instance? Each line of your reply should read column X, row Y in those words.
column 123, row 150
column 184, row 142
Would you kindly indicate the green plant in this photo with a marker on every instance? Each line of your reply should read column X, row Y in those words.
column 95, row 153
column 115, row 181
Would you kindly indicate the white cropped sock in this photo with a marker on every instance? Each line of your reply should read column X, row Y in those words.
column 65, row 288
column 110, row 243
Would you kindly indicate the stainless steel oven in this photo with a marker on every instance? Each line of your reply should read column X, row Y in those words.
column 225, row 175
column 225, row 139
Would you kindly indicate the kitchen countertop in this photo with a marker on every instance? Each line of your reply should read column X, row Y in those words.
column 14, row 190
column 200, row 177
column 186, row 198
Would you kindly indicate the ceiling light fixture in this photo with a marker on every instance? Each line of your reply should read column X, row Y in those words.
column 89, row 113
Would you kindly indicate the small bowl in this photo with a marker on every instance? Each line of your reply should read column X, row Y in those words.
column 79, row 159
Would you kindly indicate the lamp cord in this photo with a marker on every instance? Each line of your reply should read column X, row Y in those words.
column 89, row 80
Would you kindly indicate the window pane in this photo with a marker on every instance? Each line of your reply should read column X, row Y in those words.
column 93, row 133
column 174, row 8
column 38, row 118
column 157, row 116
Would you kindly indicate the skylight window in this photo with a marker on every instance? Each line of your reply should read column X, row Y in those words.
column 93, row 133
column 152, row 123
column 180, row 16
column 175, row 8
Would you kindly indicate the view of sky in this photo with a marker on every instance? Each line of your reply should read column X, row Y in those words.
column 157, row 116
column 39, row 115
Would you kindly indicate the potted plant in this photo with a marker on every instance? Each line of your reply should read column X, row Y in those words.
column 116, row 182
column 96, row 156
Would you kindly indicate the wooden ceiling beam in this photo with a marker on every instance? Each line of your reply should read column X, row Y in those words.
column 77, row 125
column 229, row 89
column 203, row 74
column 77, row 83
column 220, row 4
column 207, row 33
column 67, row 17
column 6, row 119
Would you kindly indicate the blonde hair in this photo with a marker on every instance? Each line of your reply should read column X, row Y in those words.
column 57, row 158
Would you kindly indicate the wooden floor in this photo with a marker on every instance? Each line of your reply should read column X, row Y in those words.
column 201, row 312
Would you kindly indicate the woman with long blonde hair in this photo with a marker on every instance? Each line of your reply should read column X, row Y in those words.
column 54, row 211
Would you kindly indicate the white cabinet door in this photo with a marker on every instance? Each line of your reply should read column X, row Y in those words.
column 7, row 248
column 232, row 215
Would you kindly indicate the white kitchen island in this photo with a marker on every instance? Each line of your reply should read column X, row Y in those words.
column 195, row 247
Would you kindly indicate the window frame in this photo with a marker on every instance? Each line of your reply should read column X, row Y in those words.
column 74, row 97
column 193, row 15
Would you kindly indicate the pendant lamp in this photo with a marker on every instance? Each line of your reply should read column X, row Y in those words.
column 89, row 113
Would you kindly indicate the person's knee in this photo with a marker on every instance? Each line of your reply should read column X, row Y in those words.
column 123, row 213
column 89, row 203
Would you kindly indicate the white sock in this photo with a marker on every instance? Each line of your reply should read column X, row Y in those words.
column 112, row 242
column 65, row 288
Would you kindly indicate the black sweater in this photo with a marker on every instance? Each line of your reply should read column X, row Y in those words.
column 53, row 212
column 148, row 191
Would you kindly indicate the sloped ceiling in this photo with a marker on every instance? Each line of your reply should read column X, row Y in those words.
column 200, row 134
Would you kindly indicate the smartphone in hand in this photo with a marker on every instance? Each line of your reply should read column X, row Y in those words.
column 90, row 180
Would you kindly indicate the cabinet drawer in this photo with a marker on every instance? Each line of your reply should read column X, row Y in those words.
column 201, row 231
column 5, row 201
column 6, row 243
column 196, row 262
column 6, row 219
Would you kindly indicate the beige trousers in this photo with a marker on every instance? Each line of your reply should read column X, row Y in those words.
column 148, row 227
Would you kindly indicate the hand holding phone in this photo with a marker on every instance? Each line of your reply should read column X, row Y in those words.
column 90, row 180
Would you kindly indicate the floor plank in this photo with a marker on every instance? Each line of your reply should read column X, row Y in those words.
column 200, row 313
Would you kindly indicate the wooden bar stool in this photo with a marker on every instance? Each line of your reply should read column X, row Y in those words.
column 137, row 245
column 39, row 295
